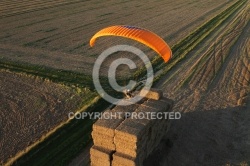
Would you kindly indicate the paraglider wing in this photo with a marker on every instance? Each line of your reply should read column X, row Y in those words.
column 144, row 36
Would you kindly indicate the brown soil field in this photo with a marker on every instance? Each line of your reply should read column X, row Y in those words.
column 56, row 33
column 211, row 89
column 30, row 108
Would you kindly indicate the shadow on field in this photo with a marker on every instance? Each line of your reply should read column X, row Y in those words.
column 208, row 137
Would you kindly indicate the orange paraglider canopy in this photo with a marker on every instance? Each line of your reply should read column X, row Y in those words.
column 144, row 36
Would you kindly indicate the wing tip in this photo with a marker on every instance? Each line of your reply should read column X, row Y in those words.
column 167, row 57
column 92, row 42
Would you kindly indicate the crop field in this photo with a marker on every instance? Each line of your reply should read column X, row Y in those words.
column 58, row 35
column 46, row 64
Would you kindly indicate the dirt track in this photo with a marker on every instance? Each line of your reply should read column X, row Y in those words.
column 211, row 91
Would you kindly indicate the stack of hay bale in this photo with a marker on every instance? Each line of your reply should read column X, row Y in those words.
column 129, row 140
